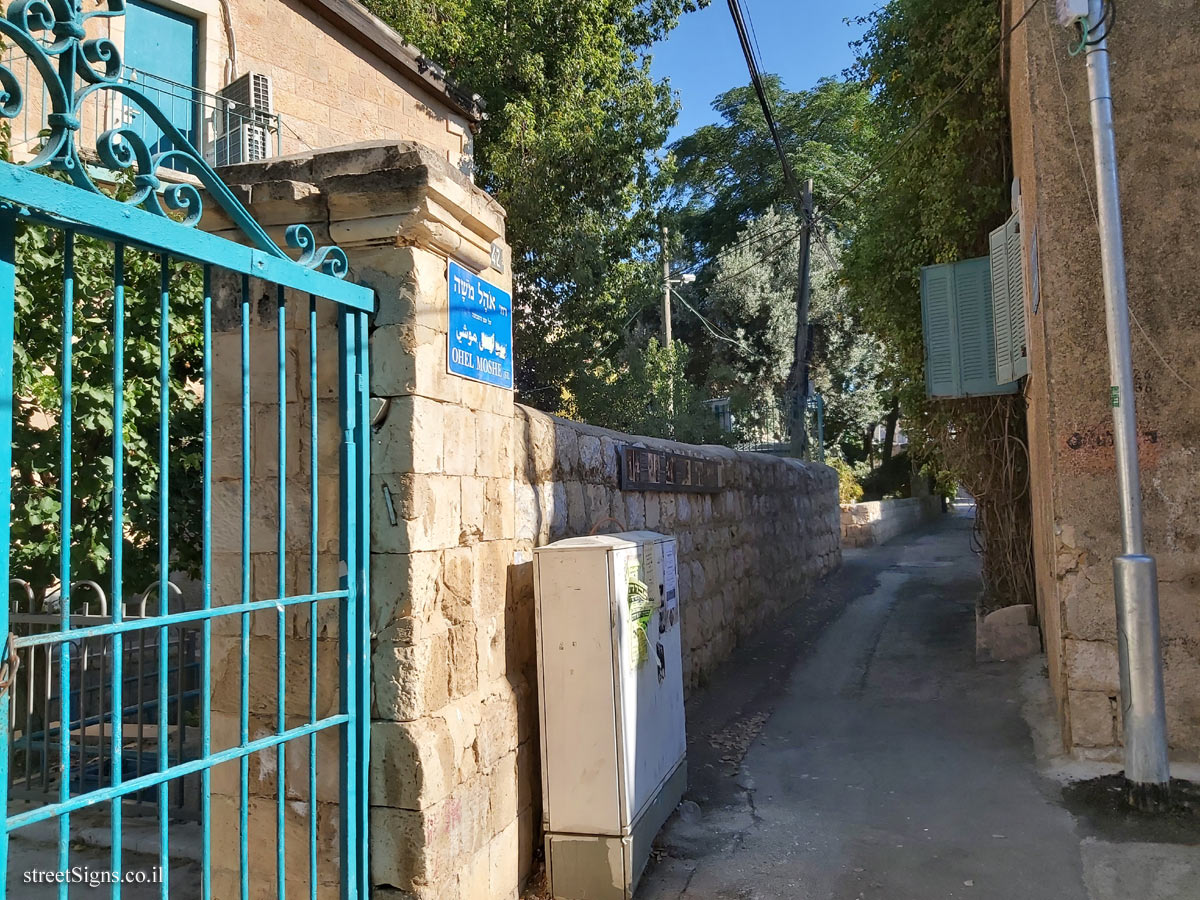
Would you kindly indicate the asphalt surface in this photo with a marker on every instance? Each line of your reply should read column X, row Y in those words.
column 859, row 752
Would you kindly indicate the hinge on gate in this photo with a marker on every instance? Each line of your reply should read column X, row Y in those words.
column 10, row 665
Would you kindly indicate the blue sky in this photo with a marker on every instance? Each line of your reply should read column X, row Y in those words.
column 800, row 40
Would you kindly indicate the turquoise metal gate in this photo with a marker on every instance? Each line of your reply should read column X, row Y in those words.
column 85, row 729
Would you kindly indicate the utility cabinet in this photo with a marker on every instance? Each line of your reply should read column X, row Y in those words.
column 610, row 686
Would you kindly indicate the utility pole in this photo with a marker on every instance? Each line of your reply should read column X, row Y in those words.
column 800, row 353
column 666, row 303
column 1135, row 578
column 666, row 325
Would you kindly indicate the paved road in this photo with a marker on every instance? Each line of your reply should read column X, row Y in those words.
column 861, row 753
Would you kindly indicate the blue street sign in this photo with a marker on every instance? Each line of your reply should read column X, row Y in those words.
column 481, row 331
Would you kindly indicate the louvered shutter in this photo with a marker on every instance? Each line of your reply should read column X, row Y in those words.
column 959, row 327
column 976, row 334
column 1016, row 299
column 941, row 341
column 998, row 243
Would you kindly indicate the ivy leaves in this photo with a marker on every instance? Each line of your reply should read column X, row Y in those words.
column 37, row 513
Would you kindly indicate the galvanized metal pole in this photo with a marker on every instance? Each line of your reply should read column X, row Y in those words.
column 1135, row 578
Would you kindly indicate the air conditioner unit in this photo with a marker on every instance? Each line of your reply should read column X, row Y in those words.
column 243, row 144
column 247, row 100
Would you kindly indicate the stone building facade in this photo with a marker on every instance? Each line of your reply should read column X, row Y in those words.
column 1155, row 70
column 337, row 74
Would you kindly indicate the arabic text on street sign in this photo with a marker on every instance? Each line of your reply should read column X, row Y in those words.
column 480, row 329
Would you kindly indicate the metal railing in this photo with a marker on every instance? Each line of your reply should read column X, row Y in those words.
column 763, row 425
column 216, row 125
column 36, row 718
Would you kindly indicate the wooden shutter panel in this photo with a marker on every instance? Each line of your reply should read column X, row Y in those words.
column 976, row 331
column 941, row 341
column 998, row 243
column 1016, row 298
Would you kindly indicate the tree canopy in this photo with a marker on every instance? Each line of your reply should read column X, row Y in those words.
column 729, row 174
column 576, row 122
column 940, row 182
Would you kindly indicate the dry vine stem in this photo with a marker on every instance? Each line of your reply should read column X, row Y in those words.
column 982, row 441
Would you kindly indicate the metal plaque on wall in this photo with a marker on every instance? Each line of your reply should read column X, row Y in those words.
column 644, row 469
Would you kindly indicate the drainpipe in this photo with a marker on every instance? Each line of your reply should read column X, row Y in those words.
column 1135, row 582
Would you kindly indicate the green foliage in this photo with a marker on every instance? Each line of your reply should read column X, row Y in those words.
column 729, row 174
column 941, row 184
column 935, row 198
column 575, row 122
column 889, row 480
column 849, row 490
column 37, row 413
column 645, row 392
column 751, row 296
column 735, row 214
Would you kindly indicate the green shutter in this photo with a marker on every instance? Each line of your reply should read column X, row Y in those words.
column 1001, row 303
column 1016, row 293
column 937, row 312
column 976, row 334
column 960, row 337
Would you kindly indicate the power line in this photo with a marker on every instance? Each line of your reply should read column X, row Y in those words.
column 754, row 34
column 790, row 232
column 912, row 132
column 739, row 22
column 716, row 332
column 789, row 176
column 758, row 262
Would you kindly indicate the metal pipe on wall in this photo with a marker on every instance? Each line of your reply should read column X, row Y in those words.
column 1135, row 578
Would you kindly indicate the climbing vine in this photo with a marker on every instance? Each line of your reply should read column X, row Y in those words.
column 940, row 185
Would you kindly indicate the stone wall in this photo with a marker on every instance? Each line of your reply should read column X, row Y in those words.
column 745, row 553
column 877, row 521
column 1155, row 66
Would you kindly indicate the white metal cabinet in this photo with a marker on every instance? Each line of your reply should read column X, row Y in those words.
column 612, row 722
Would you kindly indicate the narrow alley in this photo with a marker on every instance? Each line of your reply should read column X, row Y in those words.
column 862, row 752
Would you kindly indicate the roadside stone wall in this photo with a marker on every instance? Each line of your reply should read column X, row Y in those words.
column 878, row 521
column 745, row 553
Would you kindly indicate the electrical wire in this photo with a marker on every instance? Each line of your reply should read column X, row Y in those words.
column 758, row 262
column 712, row 329
column 1082, row 25
column 735, row 9
column 754, row 34
column 925, row 120
column 789, row 233
column 1108, row 23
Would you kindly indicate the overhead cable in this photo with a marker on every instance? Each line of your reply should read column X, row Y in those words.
column 735, row 9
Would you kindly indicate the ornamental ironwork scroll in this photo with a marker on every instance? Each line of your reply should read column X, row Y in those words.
column 74, row 67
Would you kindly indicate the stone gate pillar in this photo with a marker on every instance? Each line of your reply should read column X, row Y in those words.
column 453, row 744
